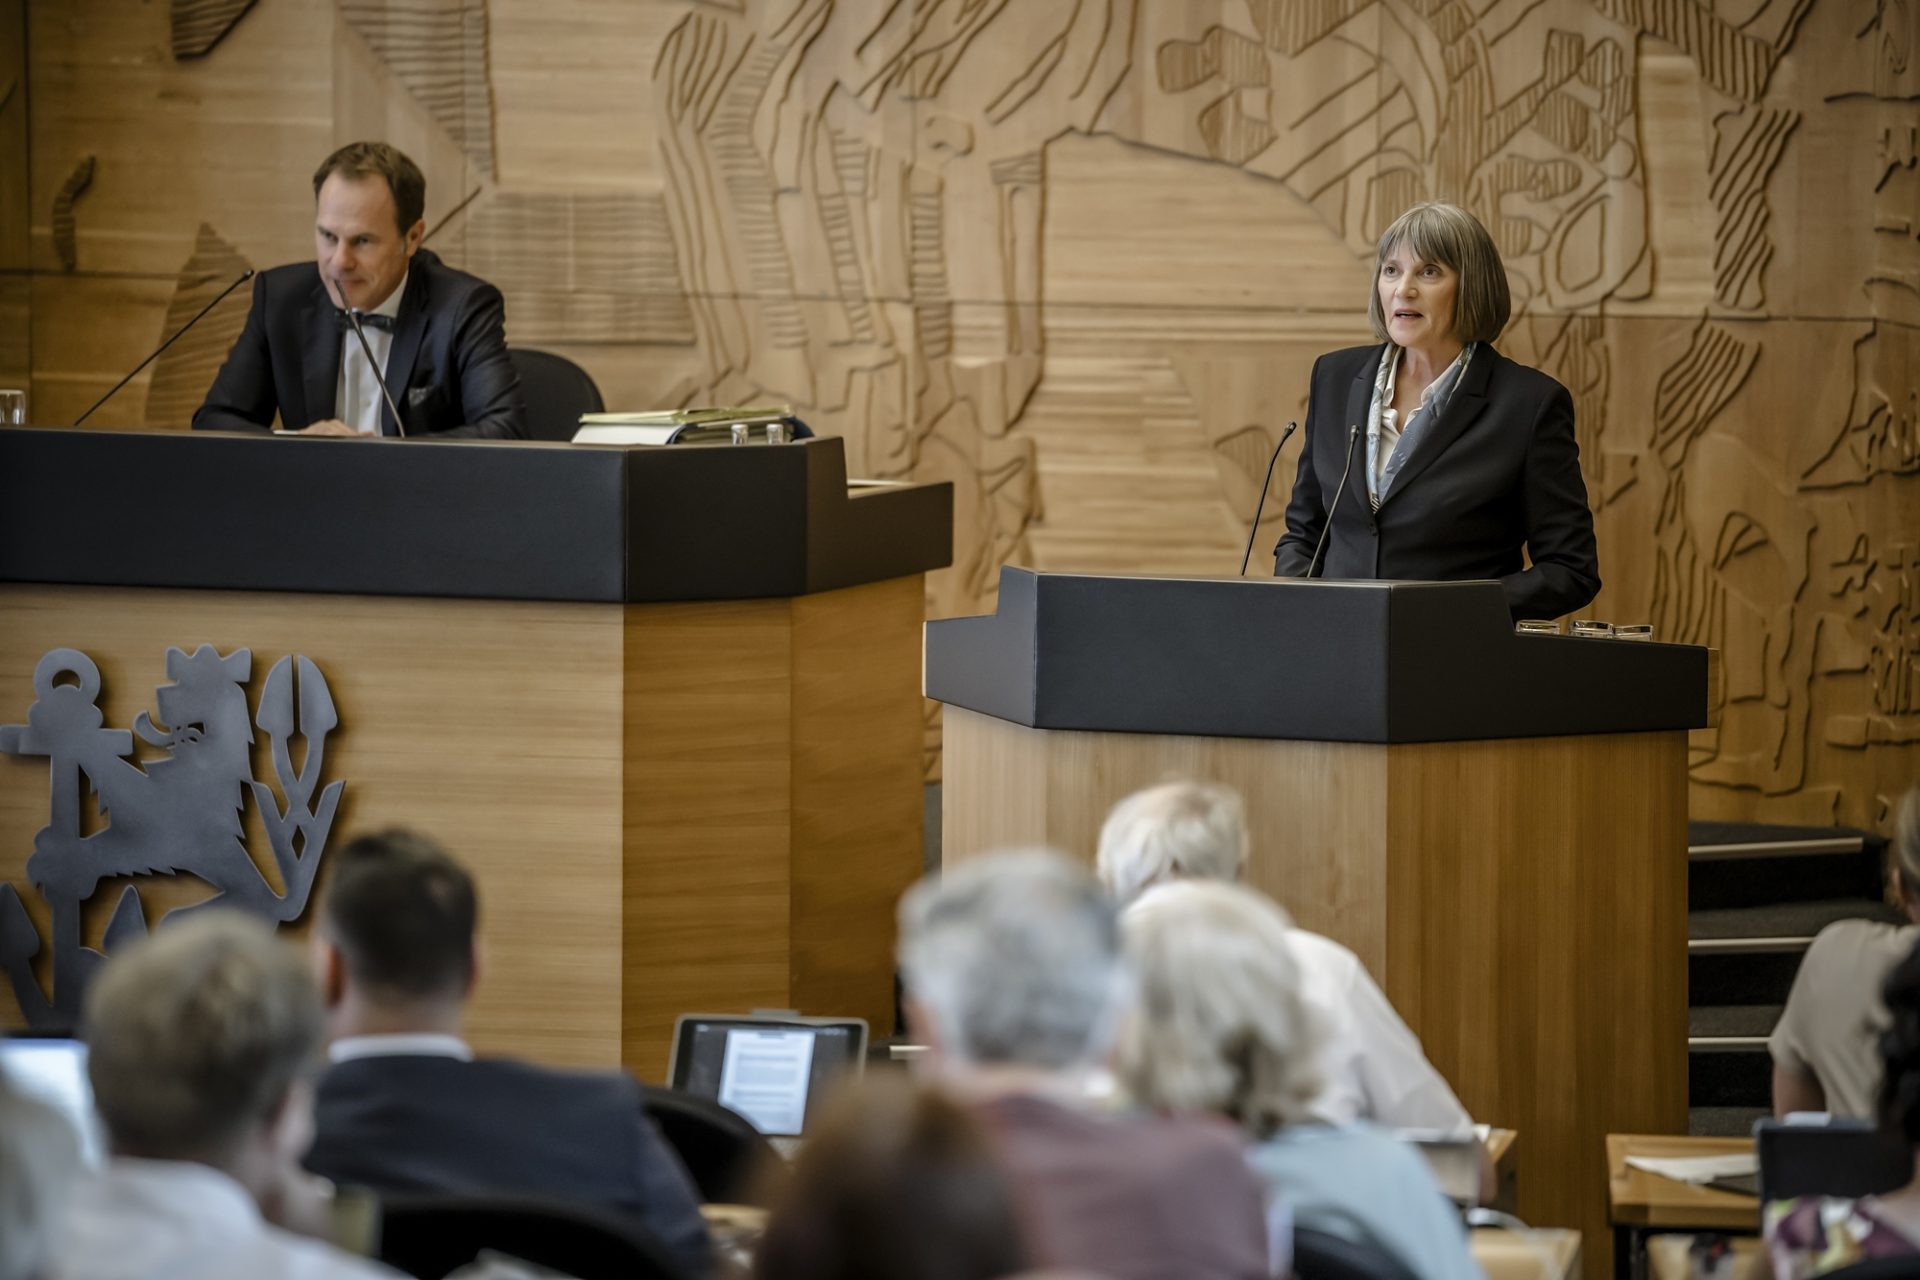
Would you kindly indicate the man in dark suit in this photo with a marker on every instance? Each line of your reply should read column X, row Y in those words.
column 406, row 1106
column 439, row 334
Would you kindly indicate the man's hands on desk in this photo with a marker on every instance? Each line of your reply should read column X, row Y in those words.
column 330, row 427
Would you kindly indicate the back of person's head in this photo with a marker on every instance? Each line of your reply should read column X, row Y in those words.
column 197, row 1034
column 1900, row 1051
column 39, row 1157
column 1015, row 959
column 402, row 914
column 1904, row 852
column 897, row 1183
column 1178, row 830
column 1223, row 1025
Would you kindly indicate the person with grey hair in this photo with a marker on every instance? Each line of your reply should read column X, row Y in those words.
column 1459, row 458
column 1015, row 982
column 202, row 1041
column 1372, row 1065
column 39, row 1158
column 1826, row 1051
column 1225, row 1028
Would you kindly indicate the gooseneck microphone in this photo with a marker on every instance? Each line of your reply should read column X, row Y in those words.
column 1261, row 502
column 218, row 299
column 1353, row 433
column 353, row 318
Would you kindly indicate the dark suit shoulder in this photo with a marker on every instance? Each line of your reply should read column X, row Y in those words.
column 1348, row 362
column 295, row 279
column 1508, row 377
column 447, row 284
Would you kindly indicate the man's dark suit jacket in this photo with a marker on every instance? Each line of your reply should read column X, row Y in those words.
column 1498, row 470
column 419, row 1122
column 447, row 368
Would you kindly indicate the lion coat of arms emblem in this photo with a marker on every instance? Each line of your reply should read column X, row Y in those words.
column 181, row 812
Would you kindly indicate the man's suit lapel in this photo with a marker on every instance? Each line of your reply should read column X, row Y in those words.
column 319, row 358
column 409, row 332
column 1359, row 404
column 1469, row 398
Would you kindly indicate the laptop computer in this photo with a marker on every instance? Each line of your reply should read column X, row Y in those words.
column 772, row 1068
column 53, row 1071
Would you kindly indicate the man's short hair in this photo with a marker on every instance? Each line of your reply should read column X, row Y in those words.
column 359, row 160
column 402, row 913
column 1178, row 830
column 1016, row 956
column 196, row 1033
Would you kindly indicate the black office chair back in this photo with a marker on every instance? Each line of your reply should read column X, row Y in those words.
column 1319, row 1255
column 557, row 392
column 729, row 1160
column 1842, row 1158
column 428, row 1234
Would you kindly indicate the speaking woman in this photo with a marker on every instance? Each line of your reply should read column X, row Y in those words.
column 1433, row 456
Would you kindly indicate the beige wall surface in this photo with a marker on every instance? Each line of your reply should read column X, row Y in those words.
column 1078, row 256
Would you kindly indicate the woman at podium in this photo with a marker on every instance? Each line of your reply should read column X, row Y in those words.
column 1432, row 456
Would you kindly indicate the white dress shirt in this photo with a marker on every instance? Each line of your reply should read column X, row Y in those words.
column 356, row 399
column 174, row 1220
column 399, row 1044
column 1374, row 1066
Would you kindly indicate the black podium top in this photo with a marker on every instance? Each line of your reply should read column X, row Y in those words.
column 508, row 520
column 1281, row 658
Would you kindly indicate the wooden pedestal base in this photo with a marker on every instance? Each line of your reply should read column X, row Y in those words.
column 1523, row 903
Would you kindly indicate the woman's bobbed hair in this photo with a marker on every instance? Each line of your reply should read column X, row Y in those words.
column 1452, row 237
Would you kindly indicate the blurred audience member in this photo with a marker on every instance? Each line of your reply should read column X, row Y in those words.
column 39, row 1159
column 1225, row 1028
column 897, row 1183
column 1825, row 1051
column 1374, row 1068
column 406, row 1106
column 201, row 1043
column 1015, row 983
column 1814, row 1235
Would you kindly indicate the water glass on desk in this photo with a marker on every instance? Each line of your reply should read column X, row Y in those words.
column 13, row 408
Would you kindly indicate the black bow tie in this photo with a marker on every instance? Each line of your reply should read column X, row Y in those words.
column 367, row 320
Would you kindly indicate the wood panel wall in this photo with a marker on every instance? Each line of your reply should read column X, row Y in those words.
column 1077, row 256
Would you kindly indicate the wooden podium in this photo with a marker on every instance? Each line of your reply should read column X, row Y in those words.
column 664, row 702
column 1495, row 823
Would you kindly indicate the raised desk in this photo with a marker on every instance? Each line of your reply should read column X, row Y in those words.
column 1494, row 823
column 665, row 703
column 1640, row 1203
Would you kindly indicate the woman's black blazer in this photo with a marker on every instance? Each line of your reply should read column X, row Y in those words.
column 1498, row 471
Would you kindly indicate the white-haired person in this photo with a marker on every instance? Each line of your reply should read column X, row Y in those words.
column 1224, row 1028
column 1374, row 1067
column 202, row 1041
column 1826, row 1046
column 1015, row 982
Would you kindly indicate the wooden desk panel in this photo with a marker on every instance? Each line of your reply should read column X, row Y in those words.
column 668, row 808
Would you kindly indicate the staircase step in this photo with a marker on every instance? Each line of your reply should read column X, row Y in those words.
column 1764, row 840
column 1724, row 1122
column 1784, row 920
column 1730, row 1078
column 1732, row 1021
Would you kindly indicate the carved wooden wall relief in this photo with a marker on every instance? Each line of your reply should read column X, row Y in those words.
column 185, row 370
column 65, row 230
column 438, row 50
column 199, row 25
column 581, row 267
